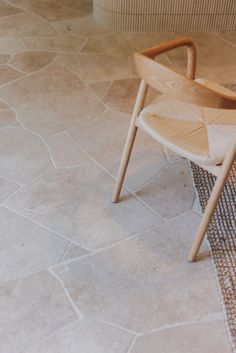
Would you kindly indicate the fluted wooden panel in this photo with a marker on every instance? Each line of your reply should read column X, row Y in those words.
column 167, row 15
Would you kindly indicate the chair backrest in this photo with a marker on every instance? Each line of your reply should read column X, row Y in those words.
column 172, row 83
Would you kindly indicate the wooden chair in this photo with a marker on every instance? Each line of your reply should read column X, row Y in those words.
column 194, row 118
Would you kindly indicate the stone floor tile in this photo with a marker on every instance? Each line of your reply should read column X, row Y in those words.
column 6, row 117
column 86, row 26
column 4, row 58
column 8, row 73
column 25, row 247
column 73, row 252
column 86, row 336
column 53, row 10
column 62, row 201
column 99, row 87
column 31, row 61
column 122, row 95
column 6, row 189
column 202, row 337
column 7, row 10
column 122, row 43
column 11, row 46
column 51, row 100
column 96, row 67
column 32, row 308
column 60, row 43
column 23, row 156
column 145, row 282
column 211, row 64
column 174, row 183
column 24, row 25
column 104, row 141
column 65, row 152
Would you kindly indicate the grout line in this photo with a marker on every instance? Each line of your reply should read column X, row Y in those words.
column 64, row 252
column 125, row 187
column 44, row 227
column 72, row 303
column 114, row 325
column 130, row 348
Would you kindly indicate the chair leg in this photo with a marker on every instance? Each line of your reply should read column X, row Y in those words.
column 213, row 200
column 129, row 141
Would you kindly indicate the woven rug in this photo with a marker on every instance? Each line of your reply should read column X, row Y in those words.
column 222, row 239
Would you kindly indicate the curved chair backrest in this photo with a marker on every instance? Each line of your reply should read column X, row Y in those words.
column 172, row 83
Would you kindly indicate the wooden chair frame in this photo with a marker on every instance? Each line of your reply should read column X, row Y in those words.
column 221, row 172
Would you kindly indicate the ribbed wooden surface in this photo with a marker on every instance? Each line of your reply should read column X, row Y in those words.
column 167, row 15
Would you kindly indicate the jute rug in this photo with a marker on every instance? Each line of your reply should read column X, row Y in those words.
column 222, row 239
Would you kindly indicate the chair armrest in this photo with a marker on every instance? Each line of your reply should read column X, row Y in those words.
column 173, row 44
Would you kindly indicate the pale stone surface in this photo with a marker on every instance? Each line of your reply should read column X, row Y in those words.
column 24, row 25
column 86, row 26
column 63, row 43
column 51, row 100
column 99, row 87
column 23, row 156
column 31, row 61
column 32, row 308
column 7, row 10
column 65, row 152
column 123, row 43
column 6, row 117
column 86, row 336
column 96, row 67
column 203, row 337
column 73, row 252
column 25, row 247
column 172, row 192
column 6, row 189
column 104, row 141
column 7, row 74
column 11, row 46
column 122, row 94
column 62, row 201
column 146, row 282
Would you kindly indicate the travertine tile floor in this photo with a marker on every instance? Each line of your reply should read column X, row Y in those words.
column 79, row 274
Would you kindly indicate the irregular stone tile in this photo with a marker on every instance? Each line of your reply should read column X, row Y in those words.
column 65, row 153
column 96, row 67
column 104, row 140
column 60, row 43
column 6, row 189
column 23, row 156
column 26, row 247
column 123, row 43
column 174, row 183
column 3, row 106
column 87, row 336
column 4, row 58
column 76, row 202
column 210, row 60
column 51, row 100
column 7, row 10
column 228, row 36
column 55, row 10
column 208, row 337
column 122, row 94
column 86, row 26
column 32, row 308
column 11, row 46
column 24, row 25
column 7, row 74
column 99, row 87
column 31, row 61
column 145, row 282
column 6, row 117
column 74, row 251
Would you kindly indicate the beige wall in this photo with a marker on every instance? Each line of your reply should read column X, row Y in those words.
column 166, row 15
